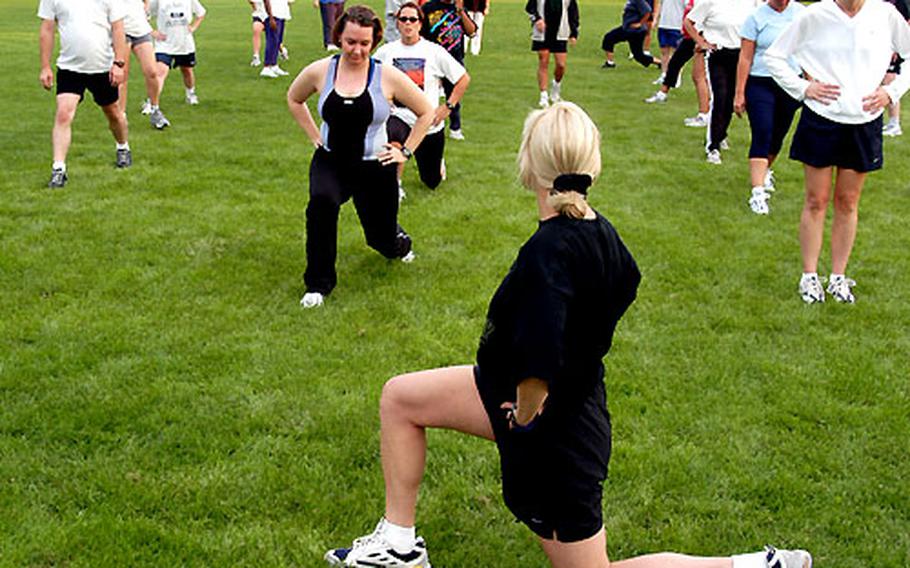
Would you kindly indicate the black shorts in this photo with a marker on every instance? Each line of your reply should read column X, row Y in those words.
column 551, row 45
column 553, row 474
column 428, row 155
column 822, row 143
column 99, row 84
column 185, row 60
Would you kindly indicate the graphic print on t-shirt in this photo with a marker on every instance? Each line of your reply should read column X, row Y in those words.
column 413, row 67
column 445, row 27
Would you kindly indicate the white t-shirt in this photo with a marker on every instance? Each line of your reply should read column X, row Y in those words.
column 85, row 32
column 280, row 9
column 426, row 63
column 720, row 20
column 853, row 53
column 259, row 10
column 173, row 18
column 671, row 14
column 135, row 23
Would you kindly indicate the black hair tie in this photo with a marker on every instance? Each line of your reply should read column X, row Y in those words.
column 572, row 182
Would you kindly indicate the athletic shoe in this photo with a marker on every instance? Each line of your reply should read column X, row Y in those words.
column 409, row 258
column 374, row 551
column 658, row 97
column 787, row 558
column 810, row 289
column 608, row 65
column 332, row 47
column 281, row 72
column 146, row 107
column 544, row 100
column 713, row 157
column 158, row 120
column 58, row 179
column 124, row 158
column 555, row 89
column 283, row 53
column 892, row 129
column 839, row 288
column 312, row 300
column 758, row 202
column 269, row 71
column 768, row 183
column 442, row 170
column 401, row 193
column 255, row 61
column 659, row 80
column 192, row 99
column 456, row 134
column 698, row 121
column 724, row 144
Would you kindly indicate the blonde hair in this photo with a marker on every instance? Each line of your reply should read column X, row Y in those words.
column 559, row 140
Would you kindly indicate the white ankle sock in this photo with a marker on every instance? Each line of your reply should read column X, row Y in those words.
column 401, row 538
column 836, row 276
column 124, row 146
column 751, row 560
column 59, row 166
column 191, row 91
column 807, row 275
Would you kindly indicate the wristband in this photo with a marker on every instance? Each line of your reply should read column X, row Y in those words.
column 120, row 64
column 511, row 415
column 406, row 152
column 451, row 106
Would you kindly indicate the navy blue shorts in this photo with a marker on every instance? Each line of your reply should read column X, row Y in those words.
column 669, row 38
column 823, row 143
column 98, row 84
column 771, row 112
column 185, row 60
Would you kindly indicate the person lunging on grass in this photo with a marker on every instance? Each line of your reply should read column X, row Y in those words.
column 537, row 389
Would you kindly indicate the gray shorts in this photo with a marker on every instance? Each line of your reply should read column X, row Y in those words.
column 134, row 40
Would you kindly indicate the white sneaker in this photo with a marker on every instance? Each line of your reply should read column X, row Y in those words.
column 758, row 202
column 658, row 97
column 892, row 129
column 713, row 157
column 768, row 182
column 810, row 289
column 146, row 107
column 192, row 99
column 269, row 71
column 373, row 550
column 312, row 300
column 659, row 80
column 284, row 53
column 409, row 258
column 281, row 72
column 555, row 89
column 839, row 288
column 787, row 558
column 255, row 61
column 332, row 47
column 698, row 121
column 544, row 100
column 724, row 144
column 456, row 134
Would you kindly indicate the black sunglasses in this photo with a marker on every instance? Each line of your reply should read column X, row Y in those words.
column 408, row 19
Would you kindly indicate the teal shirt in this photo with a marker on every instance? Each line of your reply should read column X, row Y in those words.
column 763, row 26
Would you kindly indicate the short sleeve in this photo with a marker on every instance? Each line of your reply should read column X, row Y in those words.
column 198, row 9
column 749, row 30
column 448, row 65
column 116, row 10
column 699, row 13
column 46, row 10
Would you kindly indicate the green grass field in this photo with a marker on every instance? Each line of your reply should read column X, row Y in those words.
column 164, row 401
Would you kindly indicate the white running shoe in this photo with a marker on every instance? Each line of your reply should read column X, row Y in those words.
column 698, row 121
column 892, row 129
column 758, row 202
column 279, row 71
column 192, row 99
column 146, row 107
column 374, row 551
column 658, row 97
column 724, row 144
column 713, row 157
column 456, row 134
column 332, row 47
column 810, row 289
column 768, row 182
column 544, row 100
column 840, row 289
column 787, row 558
column 269, row 71
column 659, row 80
column 283, row 53
column 255, row 61
column 312, row 300
column 409, row 258
column 555, row 88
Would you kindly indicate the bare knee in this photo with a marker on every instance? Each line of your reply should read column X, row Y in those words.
column 846, row 203
column 392, row 401
column 816, row 204
column 65, row 115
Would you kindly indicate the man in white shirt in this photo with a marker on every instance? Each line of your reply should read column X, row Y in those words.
column 92, row 54
column 177, row 21
column 427, row 64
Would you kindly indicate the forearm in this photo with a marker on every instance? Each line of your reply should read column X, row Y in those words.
column 532, row 393
column 458, row 90
column 46, row 43
column 304, row 118
column 196, row 23
column 121, row 49
column 744, row 66
column 419, row 131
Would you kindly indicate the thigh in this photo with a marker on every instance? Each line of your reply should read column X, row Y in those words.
column 70, row 83
column 441, row 398
column 102, row 91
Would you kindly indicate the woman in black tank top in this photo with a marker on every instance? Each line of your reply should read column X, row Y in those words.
column 353, row 159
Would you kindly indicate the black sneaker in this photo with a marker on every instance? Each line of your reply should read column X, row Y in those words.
column 124, row 158
column 58, row 179
column 608, row 65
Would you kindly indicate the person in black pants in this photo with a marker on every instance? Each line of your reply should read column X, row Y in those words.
column 353, row 158
column 637, row 17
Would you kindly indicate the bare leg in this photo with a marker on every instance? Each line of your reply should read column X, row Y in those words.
column 758, row 167
column 116, row 121
column 847, row 191
column 163, row 70
column 559, row 70
column 122, row 89
column 700, row 78
column 145, row 53
column 665, row 54
column 812, row 221
column 439, row 398
column 62, row 134
column 592, row 553
column 189, row 78
column 257, row 37
column 543, row 65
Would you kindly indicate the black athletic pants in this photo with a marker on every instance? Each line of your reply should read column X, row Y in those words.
column 455, row 116
column 374, row 189
column 684, row 52
column 722, row 65
column 636, row 41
